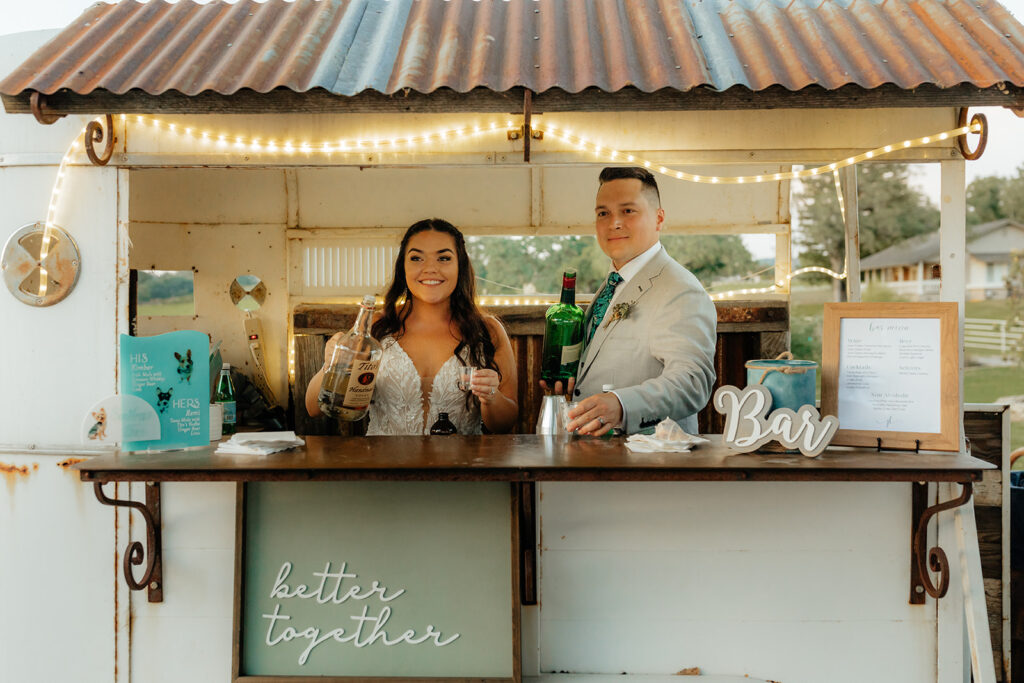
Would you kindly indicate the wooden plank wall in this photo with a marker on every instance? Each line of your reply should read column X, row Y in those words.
column 983, row 427
column 746, row 331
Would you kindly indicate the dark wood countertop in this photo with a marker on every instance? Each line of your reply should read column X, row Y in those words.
column 524, row 457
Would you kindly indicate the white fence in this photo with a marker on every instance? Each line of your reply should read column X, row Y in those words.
column 991, row 334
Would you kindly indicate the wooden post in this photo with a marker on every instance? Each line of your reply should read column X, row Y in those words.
column 848, row 184
column 953, row 251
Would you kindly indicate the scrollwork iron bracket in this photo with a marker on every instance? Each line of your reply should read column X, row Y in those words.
column 94, row 134
column 136, row 553
column 920, row 578
column 961, row 141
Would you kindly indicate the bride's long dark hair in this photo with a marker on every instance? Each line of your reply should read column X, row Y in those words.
column 473, row 333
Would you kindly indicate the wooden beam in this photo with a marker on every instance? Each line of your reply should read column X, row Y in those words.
column 483, row 100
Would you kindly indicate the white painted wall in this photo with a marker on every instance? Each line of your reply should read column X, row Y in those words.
column 797, row 582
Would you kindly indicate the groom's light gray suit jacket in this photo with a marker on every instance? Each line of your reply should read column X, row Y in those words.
column 660, row 357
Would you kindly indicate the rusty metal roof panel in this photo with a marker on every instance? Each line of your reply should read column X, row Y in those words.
column 350, row 46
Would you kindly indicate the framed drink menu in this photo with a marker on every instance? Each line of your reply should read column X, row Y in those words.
column 890, row 374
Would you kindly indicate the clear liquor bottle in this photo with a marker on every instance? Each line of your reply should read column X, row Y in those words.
column 563, row 334
column 351, row 371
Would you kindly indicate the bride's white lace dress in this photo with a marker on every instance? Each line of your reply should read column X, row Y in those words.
column 397, row 406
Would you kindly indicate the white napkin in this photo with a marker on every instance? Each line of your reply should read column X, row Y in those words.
column 260, row 443
column 668, row 437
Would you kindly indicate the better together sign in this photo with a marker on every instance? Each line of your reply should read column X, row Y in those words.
column 402, row 579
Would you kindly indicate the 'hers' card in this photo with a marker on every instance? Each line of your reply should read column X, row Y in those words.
column 170, row 372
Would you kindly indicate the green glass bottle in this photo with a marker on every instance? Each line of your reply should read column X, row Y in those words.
column 226, row 397
column 563, row 335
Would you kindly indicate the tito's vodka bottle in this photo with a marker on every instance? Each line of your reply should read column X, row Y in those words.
column 563, row 334
column 351, row 371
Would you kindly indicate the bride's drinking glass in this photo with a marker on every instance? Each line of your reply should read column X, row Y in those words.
column 465, row 377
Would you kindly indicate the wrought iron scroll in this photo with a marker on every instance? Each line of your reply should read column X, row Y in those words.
column 961, row 141
column 136, row 553
column 93, row 134
column 936, row 558
column 45, row 116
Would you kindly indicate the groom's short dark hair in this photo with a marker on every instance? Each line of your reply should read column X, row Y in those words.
column 646, row 178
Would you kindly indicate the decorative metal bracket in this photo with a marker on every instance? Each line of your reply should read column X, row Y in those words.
column 920, row 579
column 136, row 553
column 43, row 114
column 93, row 134
column 526, row 132
column 961, row 141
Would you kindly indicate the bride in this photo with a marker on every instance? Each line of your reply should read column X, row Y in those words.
column 429, row 327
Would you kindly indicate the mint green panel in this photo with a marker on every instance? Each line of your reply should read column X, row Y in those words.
column 432, row 577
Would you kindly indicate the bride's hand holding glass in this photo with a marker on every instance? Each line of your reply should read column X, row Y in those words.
column 484, row 384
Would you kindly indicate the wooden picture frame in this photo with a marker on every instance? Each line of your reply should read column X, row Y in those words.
column 884, row 332
column 238, row 609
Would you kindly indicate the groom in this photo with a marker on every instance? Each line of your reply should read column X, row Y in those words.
column 650, row 331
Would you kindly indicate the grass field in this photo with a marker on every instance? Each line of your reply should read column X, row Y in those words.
column 985, row 385
column 182, row 305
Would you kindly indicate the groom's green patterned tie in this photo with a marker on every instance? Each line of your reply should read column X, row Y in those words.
column 601, row 303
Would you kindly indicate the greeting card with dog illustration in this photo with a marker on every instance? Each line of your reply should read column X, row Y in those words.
column 160, row 370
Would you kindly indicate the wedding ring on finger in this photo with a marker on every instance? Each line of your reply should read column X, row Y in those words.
column 601, row 420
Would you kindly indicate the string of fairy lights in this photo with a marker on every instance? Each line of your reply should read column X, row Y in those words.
column 211, row 140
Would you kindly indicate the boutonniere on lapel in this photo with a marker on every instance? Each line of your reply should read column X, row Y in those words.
column 619, row 312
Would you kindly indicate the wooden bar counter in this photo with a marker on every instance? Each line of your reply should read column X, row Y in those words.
column 523, row 458
column 591, row 558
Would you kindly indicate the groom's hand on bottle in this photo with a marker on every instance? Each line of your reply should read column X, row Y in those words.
column 557, row 390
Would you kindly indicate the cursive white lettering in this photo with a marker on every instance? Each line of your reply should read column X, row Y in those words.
column 369, row 629
column 749, row 426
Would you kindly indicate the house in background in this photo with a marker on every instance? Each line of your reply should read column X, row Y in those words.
column 908, row 267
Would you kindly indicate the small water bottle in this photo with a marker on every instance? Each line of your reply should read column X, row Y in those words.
column 443, row 426
column 605, row 388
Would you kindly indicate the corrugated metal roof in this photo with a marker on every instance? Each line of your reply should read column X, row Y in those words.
column 925, row 248
column 346, row 47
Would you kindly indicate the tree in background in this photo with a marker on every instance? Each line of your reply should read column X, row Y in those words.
column 985, row 199
column 890, row 210
column 527, row 265
column 711, row 257
column 991, row 198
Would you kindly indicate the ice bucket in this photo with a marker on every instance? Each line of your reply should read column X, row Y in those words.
column 790, row 382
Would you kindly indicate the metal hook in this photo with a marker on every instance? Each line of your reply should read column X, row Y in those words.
column 961, row 140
